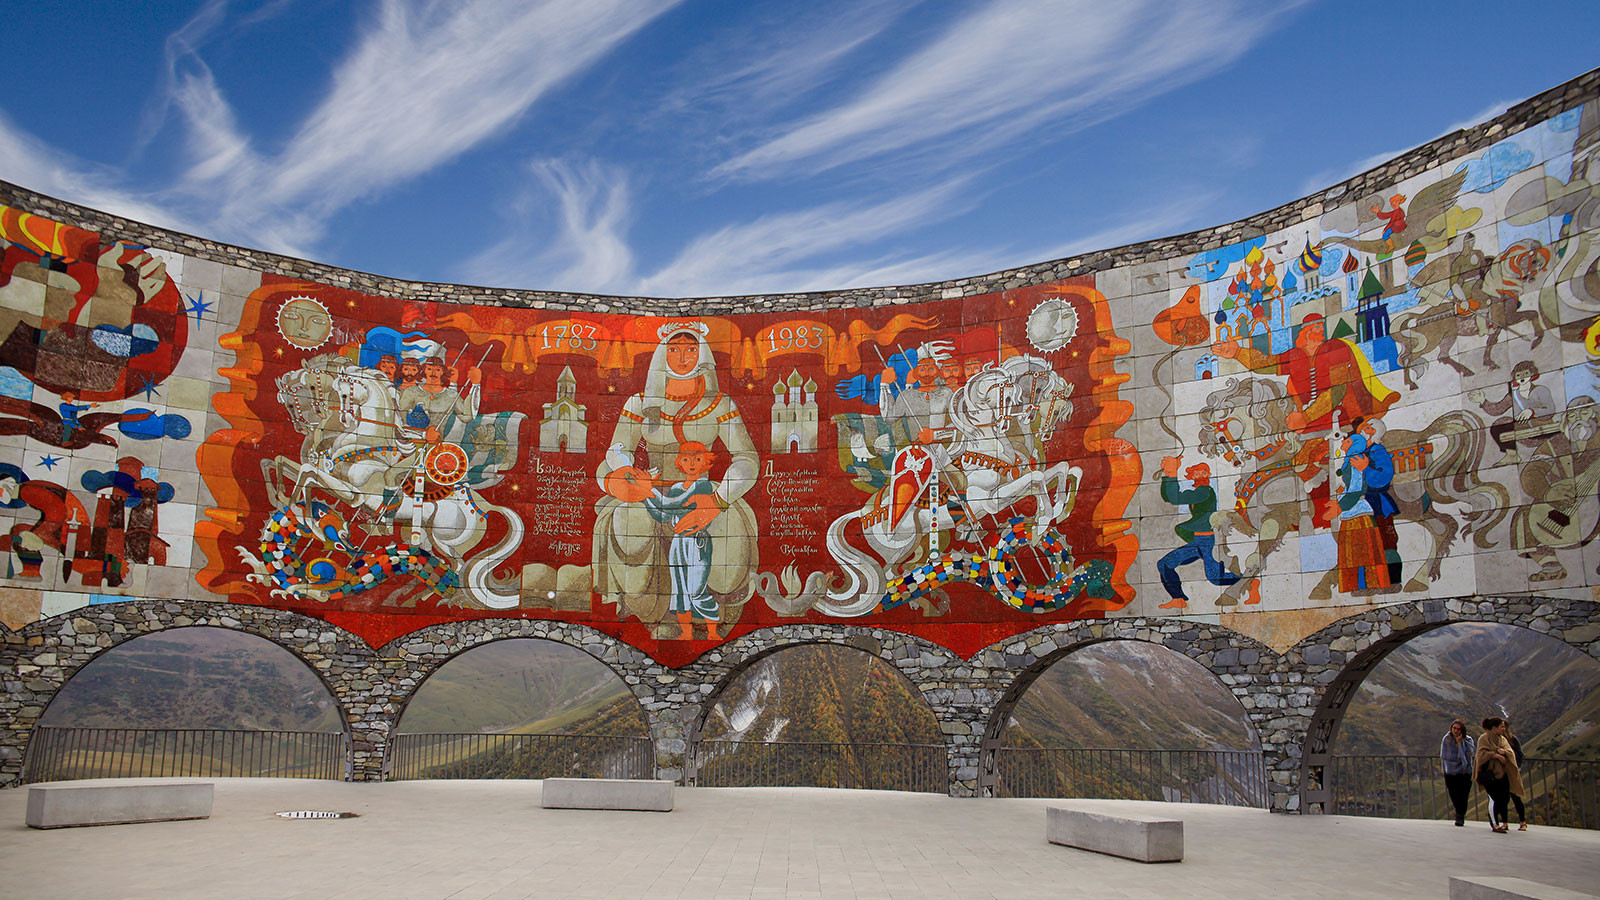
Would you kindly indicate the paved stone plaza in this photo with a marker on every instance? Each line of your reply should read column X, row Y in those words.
column 481, row 839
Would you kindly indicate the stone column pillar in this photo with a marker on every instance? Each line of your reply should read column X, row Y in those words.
column 1277, row 700
column 371, row 696
column 1280, row 711
column 963, row 696
column 671, row 707
column 962, row 714
column 30, row 675
column 674, row 703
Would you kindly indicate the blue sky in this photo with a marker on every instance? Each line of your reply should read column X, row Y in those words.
column 706, row 147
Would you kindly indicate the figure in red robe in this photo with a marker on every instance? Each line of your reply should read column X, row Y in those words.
column 1324, row 375
column 1394, row 219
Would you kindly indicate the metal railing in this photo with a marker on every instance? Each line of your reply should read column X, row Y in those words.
column 64, row 754
column 429, row 756
column 1230, row 777
column 1563, row 792
column 882, row 767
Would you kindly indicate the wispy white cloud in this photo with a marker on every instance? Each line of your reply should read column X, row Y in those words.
column 787, row 53
column 829, row 246
column 588, row 253
column 425, row 82
column 1180, row 215
column 181, row 46
column 1329, row 177
column 888, row 270
column 30, row 162
column 795, row 252
column 1479, row 117
column 779, row 251
column 217, row 146
column 1013, row 66
column 825, row 246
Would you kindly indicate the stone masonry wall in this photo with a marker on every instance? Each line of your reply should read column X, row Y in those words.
column 1282, row 695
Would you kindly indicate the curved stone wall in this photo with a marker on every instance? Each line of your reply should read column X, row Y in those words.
column 1378, row 396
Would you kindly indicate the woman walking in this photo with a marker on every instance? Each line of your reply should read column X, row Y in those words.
column 1497, row 766
column 1458, row 754
column 1516, row 780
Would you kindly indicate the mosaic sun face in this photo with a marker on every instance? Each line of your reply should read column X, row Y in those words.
column 304, row 323
column 1052, row 325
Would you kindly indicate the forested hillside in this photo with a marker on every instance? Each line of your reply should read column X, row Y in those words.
column 817, row 693
column 196, row 678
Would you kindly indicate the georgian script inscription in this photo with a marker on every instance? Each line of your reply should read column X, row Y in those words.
column 566, row 511
column 795, row 509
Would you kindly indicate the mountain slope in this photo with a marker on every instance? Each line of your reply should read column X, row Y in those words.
column 196, row 678
column 1127, row 694
column 1550, row 691
column 521, row 685
column 821, row 693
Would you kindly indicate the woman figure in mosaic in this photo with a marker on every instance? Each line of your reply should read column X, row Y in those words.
column 681, row 404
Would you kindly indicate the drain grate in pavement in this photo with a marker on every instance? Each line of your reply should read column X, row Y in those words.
column 317, row 814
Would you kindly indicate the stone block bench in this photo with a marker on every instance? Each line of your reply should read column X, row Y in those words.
column 121, row 801
column 1128, row 835
column 1485, row 887
column 646, row 794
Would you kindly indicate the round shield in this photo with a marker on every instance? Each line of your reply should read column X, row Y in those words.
column 446, row 463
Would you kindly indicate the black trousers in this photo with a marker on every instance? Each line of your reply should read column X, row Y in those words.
column 1499, row 790
column 1460, row 788
column 1522, row 812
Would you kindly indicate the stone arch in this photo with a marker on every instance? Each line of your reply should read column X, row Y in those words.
column 1339, row 657
column 1240, row 663
column 418, row 655
column 901, row 651
column 49, row 652
column 921, row 662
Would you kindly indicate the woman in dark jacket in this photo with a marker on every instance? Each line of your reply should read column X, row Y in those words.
column 1458, row 754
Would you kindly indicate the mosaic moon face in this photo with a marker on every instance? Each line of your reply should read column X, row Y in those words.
column 304, row 323
column 1052, row 324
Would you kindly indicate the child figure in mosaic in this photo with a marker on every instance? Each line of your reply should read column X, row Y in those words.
column 689, row 550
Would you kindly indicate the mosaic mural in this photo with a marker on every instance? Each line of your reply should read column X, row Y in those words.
column 1395, row 398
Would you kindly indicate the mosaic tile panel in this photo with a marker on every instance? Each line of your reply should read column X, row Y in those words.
column 1393, row 398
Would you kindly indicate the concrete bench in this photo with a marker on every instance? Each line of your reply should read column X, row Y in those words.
column 1129, row 835
column 646, row 794
column 1485, row 887
column 64, row 804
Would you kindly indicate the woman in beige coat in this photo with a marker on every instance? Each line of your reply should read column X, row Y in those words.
column 1497, row 770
